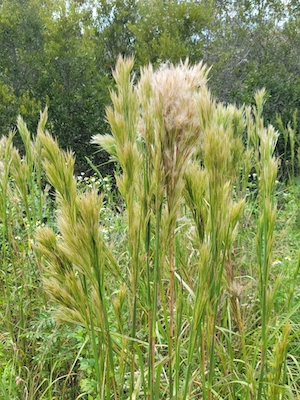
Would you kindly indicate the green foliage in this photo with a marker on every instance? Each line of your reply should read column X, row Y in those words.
column 51, row 56
column 258, row 47
column 61, row 54
column 170, row 30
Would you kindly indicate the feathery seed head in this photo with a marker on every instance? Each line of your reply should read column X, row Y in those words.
column 174, row 93
column 175, row 105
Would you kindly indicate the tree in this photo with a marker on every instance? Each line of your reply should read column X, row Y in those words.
column 170, row 30
column 49, row 57
column 76, row 88
column 110, row 20
column 21, row 42
column 253, row 45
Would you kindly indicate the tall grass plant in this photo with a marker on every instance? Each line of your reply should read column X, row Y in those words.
column 173, row 293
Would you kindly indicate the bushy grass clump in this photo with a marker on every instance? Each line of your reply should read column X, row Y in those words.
column 180, row 288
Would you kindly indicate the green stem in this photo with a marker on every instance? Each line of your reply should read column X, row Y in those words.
column 172, row 302
column 155, row 300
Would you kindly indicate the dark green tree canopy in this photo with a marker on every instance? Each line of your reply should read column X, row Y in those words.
column 62, row 53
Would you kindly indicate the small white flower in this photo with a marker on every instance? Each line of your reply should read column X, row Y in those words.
column 276, row 262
